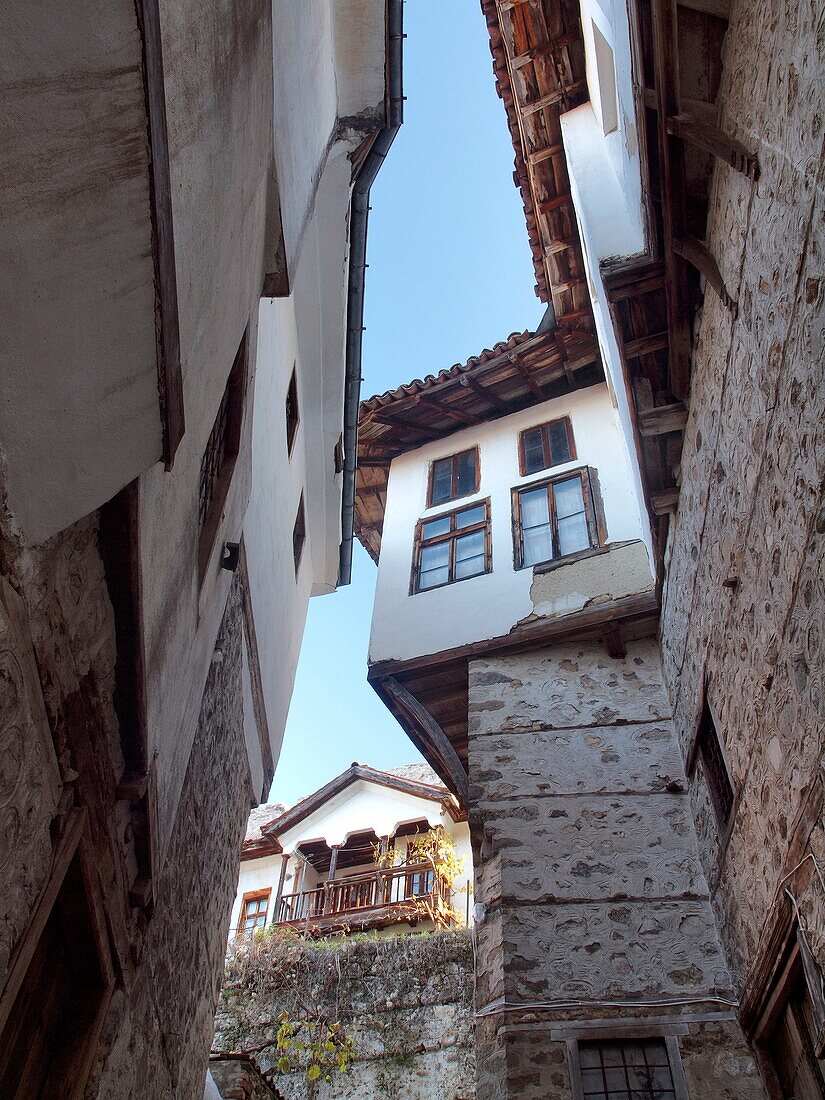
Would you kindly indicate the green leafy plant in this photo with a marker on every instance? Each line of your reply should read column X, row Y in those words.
column 436, row 850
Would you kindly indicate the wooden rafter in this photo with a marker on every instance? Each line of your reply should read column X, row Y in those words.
column 530, row 381
column 700, row 256
column 705, row 135
column 430, row 735
column 484, row 393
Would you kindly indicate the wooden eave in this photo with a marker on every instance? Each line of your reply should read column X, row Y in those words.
column 439, row 682
column 677, row 56
column 524, row 370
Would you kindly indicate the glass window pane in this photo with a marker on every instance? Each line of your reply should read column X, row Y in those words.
column 435, row 527
column 569, row 499
column 573, row 534
column 559, row 442
column 465, row 473
column 470, row 516
column 435, row 565
column 469, row 546
column 533, row 450
column 592, row 1081
column 442, row 480
column 537, row 544
column 534, row 507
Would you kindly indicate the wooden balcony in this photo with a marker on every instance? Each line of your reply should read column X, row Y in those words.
column 372, row 900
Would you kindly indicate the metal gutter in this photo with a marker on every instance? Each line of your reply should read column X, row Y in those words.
column 359, row 213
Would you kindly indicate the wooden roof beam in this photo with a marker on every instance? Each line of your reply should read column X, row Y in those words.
column 543, row 49
column 394, row 421
column 700, row 256
column 533, row 385
column 538, row 155
column 452, row 414
column 485, row 394
column 662, row 419
column 705, row 135
column 551, row 98
column 646, row 345
column 666, row 62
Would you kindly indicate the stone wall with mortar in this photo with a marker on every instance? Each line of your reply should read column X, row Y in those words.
column 751, row 506
column 405, row 1001
column 159, row 1028
column 588, row 868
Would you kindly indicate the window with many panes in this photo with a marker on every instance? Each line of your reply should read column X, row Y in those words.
column 619, row 1070
column 546, row 445
column 253, row 911
column 453, row 477
column 709, row 748
column 452, row 547
column 554, row 519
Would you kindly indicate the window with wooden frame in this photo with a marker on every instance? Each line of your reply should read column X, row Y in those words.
column 291, row 408
column 254, row 909
column 553, row 519
column 624, row 1069
column 453, row 477
column 708, row 746
column 218, row 460
column 299, row 534
column 452, row 547
column 546, row 445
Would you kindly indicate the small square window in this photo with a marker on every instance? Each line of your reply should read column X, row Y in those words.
column 709, row 747
column 626, row 1070
column 254, row 909
column 546, row 445
column 453, row 477
column 299, row 532
column 292, row 417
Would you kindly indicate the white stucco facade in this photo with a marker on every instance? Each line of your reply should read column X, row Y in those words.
column 363, row 806
column 491, row 604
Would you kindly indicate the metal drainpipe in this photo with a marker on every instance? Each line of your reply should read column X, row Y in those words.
column 359, row 212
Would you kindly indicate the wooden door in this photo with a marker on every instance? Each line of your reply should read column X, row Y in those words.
column 790, row 1047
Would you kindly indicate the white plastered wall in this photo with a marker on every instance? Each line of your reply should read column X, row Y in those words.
column 490, row 605
column 606, row 185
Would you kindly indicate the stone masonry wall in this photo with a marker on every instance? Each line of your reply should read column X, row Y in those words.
column 158, row 1032
column 751, row 506
column 405, row 1001
column 587, row 865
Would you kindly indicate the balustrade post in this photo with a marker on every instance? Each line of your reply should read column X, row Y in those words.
column 279, row 892
column 333, row 865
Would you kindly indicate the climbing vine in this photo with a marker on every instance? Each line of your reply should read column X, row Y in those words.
column 434, row 849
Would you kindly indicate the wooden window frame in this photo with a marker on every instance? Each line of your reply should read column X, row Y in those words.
column 455, row 496
column 544, row 428
column 230, row 411
column 253, row 895
column 299, row 535
column 292, row 410
column 73, row 865
column 419, row 543
column 706, row 729
column 624, row 1032
column 591, row 511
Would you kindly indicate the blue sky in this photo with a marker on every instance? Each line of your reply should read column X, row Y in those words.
column 449, row 274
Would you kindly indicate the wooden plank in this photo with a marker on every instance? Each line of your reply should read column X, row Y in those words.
column 698, row 108
column 452, row 414
column 700, row 256
column 484, row 393
column 532, row 384
column 538, row 155
column 666, row 62
column 547, row 206
column 613, row 639
column 551, row 98
column 707, row 136
column 664, row 500
column 554, row 247
column 544, row 49
column 395, row 421
column 431, row 734
column 645, row 345
column 663, row 419
column 719, row 8
column 647, row 285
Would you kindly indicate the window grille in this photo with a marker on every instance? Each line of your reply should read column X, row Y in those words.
column 615, row 1070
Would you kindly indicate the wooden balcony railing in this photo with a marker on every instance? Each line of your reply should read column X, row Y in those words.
column 378, row 890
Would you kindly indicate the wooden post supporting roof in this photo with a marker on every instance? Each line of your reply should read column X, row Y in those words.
column 431, row 734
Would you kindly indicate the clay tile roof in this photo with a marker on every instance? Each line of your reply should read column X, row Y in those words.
column 430, row 381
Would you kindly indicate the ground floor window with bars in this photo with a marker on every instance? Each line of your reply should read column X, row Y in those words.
column 626, row 1070
column 554, row 518
column 452, row 547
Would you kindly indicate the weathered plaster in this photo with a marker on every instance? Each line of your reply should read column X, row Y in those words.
column 622, row 571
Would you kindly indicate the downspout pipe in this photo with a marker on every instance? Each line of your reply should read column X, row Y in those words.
column 359, row 213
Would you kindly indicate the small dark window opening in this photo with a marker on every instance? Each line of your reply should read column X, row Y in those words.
column 299, row 534
column 292, row 417
column 452, row 547
column 219, row 457
column 554, row 519
column 453, row 477
column 546, row 445
column 619, row 1070
column 716, row 772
